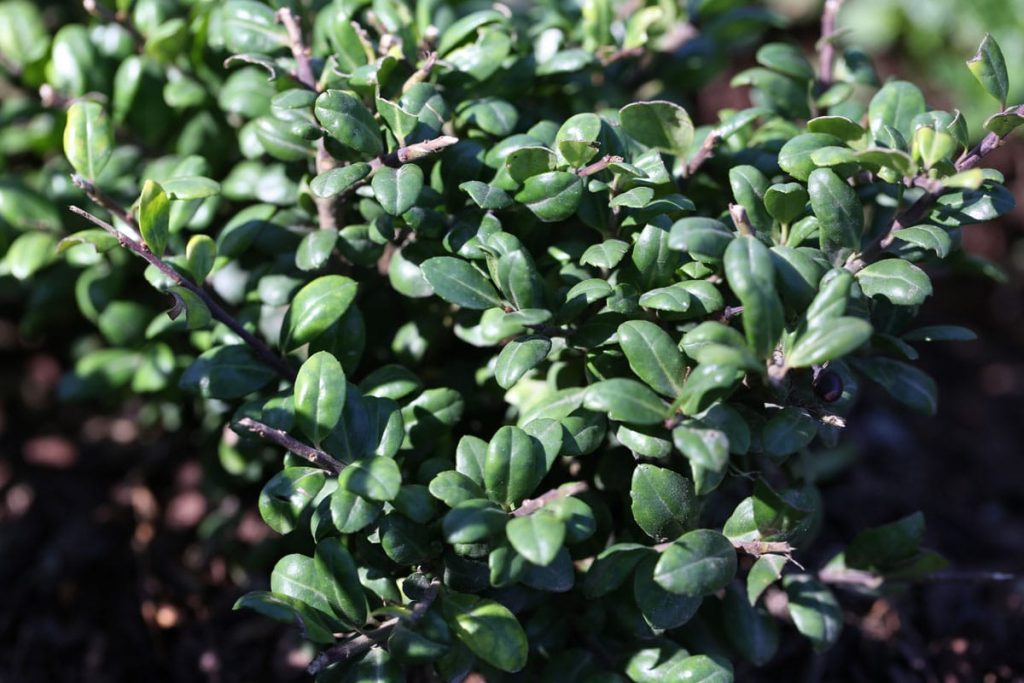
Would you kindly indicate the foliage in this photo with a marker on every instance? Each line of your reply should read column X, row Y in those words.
column 551, row 364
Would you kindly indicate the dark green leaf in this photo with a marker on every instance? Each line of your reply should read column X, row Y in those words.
column 899, row 281
column 458, row 282
column 696, row 564
column 397, row 189
column 375, row 478
column 319, row 395
column 519, row 357
column 663, row 501
column 552, row 196
column 625, row 400
column 653, row 356
column 488, row 629
column 537, row 537
column 663, row 125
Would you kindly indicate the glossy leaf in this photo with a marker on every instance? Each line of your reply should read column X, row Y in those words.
column 488, row 629
column 319, row 395
column 663, row 501
column 663, row 125
column 458, row 282
column 88, row 138
column 315, row 308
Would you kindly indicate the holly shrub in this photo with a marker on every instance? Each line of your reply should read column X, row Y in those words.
column 540, row 375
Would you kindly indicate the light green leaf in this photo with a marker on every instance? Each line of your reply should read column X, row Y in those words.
column 663, row 125
column 319, row 395
column 315, row 308
column 989, row 67
column 899, row 281
column 537, row 537
column 625, row 400
column 88, row 138
column 828, row 342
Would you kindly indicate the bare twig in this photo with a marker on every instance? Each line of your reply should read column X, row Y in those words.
column 739, row 217
column 704, row 153
column 314, row 455
column 421, row 74
column 364, row 641
column 414, row 152
column 754, row 548
column 216, row 310
column 530, row 506
column 598, row 165
column 106, row 201
column 303, row 66
column 827, row 45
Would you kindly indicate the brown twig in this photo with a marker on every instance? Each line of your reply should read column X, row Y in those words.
column 827, row 45
column 314, row 455
column 364, row 641
column 753, row 548
column 704, row 153
column 101, row 198
column 421, row 74
column 599, row 165
column 413, row 152
column 216, row 310
column 303, row 66
column 531, row 505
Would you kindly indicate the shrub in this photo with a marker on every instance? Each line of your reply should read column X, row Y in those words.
column 555, row 371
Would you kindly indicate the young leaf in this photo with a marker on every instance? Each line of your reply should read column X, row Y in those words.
column 154, row 217
column 989, row 67
column 88, row 138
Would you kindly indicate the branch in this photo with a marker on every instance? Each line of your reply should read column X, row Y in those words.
column 303, row 67
column 364, row 641
column 598, row 165
column 413, row 152
column 216, row 310
column 314, row 455
column 530, row 506
column 920, row 209
column 753, row 548
column 421, row 73
column 704, row 153
column 827, row 47
column 101, row 198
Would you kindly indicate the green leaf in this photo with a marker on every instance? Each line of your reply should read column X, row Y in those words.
column 663, row 502
column 552, row 196
column 487, row 197
column 374, row 478
column 345, row 119
column 653, row 356
column 316, row 308
column 473, row 521
column 197, row 313
column 488, row 629
column 814, row 610
column 288, row 495
column 401, row 122
column 226, row 372
column 315, row 249
column 663, row 125
column 839, row 126
column 989, row 67
column 250, row 26
column 154, row 217
column 338, row 180
column 887, row 545
column 625, row 400
column 491, row 115
column 191, row 187
column 702, row 445
column 786, row 201
column 605, row 254
column 612, row 567
column 319, row 395
column 88, row 138
column 899, row 281
column 927, row 237
column 23, row 35
column 397, row 189
column 29, row 253
column 707, row 383
column 519, row 357
column 749, row 270
column 452, row 488
column 514, row 465
column 704, row 239
column 752, row 631
column 287, row 610
column 697, row 563
column 376, row 666
column 932, row 333
column 748, row 187
column 660, row 608
column 786, row 59
column 795, row 155
column 537, row 537
column 337, row 572
column 839, row 211
column 298, row 577
column 766, row 571
column 897, row 104
column 788, row 431
column 905, row 383
column 458, row 282
column 200, row 255
column 828, row 342
column 351, row 513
